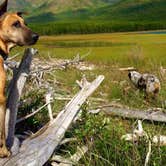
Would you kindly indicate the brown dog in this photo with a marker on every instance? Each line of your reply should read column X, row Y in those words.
column 13, row 32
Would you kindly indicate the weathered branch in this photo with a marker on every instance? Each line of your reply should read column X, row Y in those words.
column 152, row 115
column 73, row 160
column 127, row 69
column 138, row 133
column 15, row 91
column 67, row 140
column 48, row 66
column 36, row 150
column 48, row 102
column 31, row 114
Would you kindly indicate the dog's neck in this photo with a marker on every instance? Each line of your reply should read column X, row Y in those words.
column 5, row 48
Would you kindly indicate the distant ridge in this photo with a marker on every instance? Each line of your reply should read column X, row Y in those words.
column 62, row 10
column 92, row 16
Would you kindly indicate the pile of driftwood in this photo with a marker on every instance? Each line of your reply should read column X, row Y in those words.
column 38, row 148
column 138, row 133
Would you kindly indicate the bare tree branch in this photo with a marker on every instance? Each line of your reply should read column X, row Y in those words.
column 48, row 102
column 73, row 160
column 32, row 114
column 36, row 150
column 15, row 91
column 152, row 115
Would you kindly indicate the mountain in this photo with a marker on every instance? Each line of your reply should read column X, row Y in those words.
column 134, row 10
column 48, row 10
column 56, row 6
column 124, row 10
column 82, row 10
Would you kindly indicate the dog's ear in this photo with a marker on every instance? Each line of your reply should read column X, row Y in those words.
column 129, row 75
column 3, row 7
column 21, row 13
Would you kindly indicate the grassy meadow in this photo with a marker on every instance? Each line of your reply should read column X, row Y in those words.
column 109, row 52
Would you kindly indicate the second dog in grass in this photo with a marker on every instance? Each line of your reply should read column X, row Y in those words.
column 149, row 83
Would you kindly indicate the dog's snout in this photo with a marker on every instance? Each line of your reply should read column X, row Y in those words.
column 35, row 36
column 32, row 38
column 129, row 75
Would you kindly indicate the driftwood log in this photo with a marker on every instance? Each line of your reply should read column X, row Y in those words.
column 15, row 90
column 152, row 115
column 36, row 150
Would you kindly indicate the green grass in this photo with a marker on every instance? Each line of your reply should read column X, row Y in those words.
column 108, row 52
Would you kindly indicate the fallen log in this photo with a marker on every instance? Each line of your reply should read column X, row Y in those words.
column 152, row 115
column 127, row 69
column 15, row 90
column 36, row 150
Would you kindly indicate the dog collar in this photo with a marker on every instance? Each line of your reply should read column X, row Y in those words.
column 3, row 55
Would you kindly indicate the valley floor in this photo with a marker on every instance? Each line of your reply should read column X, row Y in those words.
column 108, row 52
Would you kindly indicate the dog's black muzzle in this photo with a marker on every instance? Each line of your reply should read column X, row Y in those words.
column 34, row 38
column 129, row 75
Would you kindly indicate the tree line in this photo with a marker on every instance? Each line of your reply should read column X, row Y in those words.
column 54, row 28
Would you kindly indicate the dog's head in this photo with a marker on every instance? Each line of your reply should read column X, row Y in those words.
column 13, row 29
column 134, row 77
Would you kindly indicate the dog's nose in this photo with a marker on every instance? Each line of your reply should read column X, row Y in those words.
column 129, row 75
column 35, row 36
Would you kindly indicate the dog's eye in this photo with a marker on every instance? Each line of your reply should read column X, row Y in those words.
column 17, row 24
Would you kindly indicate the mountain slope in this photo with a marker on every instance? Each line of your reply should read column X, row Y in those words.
column 56, row 6
column 127, row 10
column 152, row 10
column 82, row 10
column 124, row 10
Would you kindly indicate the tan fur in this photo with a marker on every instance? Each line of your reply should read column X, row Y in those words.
column 13, row 32
column 3, row 149
column 10, row 37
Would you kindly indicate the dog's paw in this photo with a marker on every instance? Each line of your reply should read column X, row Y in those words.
column 4, row 152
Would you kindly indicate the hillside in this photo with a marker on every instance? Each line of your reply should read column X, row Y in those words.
column 61, row 10
column 127, row 10
column 46, row 10
column 92, row 16
column 56, row 6
column 151, row 10
column 132, row 10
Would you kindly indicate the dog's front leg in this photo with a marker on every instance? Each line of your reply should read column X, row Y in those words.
column 3, row 149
